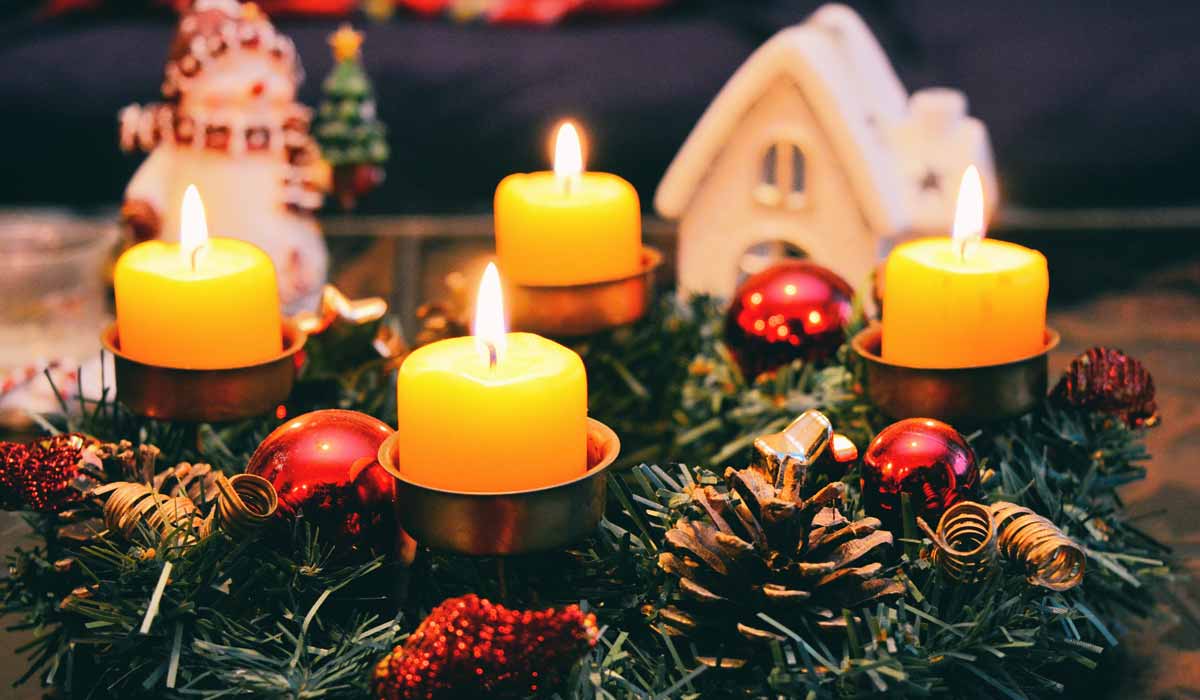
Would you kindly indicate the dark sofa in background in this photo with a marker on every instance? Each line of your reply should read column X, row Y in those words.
column 1089, row 104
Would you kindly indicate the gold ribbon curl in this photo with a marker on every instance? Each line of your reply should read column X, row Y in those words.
column 1052, row 559
column 244, row 504
column 965, row 542
column 131, row 505
column 970, row 536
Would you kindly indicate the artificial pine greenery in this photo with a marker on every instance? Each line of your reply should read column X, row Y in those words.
column 285, row 616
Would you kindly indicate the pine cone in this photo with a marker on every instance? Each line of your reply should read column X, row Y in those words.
column 1109, row 381
column 196, row 481
column 759, row 546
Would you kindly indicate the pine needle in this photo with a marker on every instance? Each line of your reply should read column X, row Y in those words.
column 155, row 599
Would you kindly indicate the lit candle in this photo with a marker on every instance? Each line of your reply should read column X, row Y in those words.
column 567, row 226
column 495, row 411
column 198, row 304
column 964, row 301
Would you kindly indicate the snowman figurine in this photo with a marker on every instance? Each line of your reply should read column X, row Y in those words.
column 230, row 124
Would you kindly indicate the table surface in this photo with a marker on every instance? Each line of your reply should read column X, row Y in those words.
column 1158, row 321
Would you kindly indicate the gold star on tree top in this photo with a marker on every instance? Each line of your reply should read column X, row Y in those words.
column 345, row 42
column 251, row 12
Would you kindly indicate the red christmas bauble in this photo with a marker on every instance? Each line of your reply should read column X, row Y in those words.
column 793, row 310
column 324, row 466
column 921, row 457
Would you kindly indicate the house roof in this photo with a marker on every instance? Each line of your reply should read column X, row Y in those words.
column 853, row 91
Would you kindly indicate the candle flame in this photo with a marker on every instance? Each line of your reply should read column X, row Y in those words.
column 568, row 154
column 488, row 329
column 193, row 227
column 968, row 213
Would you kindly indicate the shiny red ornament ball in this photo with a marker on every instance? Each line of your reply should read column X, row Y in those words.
column 921, row 457
column 324, row 466
column 793, row 310
column 469, row 647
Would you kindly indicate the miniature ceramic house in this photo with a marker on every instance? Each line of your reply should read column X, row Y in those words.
column 814, row 148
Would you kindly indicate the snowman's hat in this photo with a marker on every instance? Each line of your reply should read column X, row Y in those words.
column 210, row 29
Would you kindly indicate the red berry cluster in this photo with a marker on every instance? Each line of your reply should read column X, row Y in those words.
column 42, row 475
column 1109, row 381
column 469, row 648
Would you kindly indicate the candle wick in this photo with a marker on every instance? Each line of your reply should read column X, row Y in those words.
column 493, row 356
column 961, row 246
column 195, row 257
column 566, row 185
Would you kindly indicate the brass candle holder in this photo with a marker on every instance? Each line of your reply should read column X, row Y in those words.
column 205, row 395
column 514, row 522
column 581, row 309
column 961, row 396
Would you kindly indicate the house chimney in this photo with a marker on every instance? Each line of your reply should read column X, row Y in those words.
column 937, row 111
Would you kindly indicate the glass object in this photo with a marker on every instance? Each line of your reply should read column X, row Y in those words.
column 52, row 289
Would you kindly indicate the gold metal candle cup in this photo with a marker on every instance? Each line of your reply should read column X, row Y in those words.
column 961, row 396
column 205, row 395
column 515, row 522
column 582, row 309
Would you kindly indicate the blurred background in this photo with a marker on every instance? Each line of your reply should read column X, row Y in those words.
column 1092, row 110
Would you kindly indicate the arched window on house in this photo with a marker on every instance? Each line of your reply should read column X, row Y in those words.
column 783, row 176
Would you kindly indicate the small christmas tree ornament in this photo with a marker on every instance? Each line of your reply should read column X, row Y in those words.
column 49, row 474
column 324, row 465
column 469, row 647
column 352, row 138
column 759, row 545
column 1109, row 381
column 923, row 459
column 792, row 310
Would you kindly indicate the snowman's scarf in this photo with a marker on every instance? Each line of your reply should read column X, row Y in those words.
column 145, row 127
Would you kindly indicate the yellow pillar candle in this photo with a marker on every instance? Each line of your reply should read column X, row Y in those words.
column 568, row 226
column 963, row 301
column 492, row 412
column 198, row 304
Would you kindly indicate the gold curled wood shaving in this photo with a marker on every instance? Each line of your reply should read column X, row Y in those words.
column 964, row 546
column 1052, row 559
column 131, row 505
column 246, row 503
